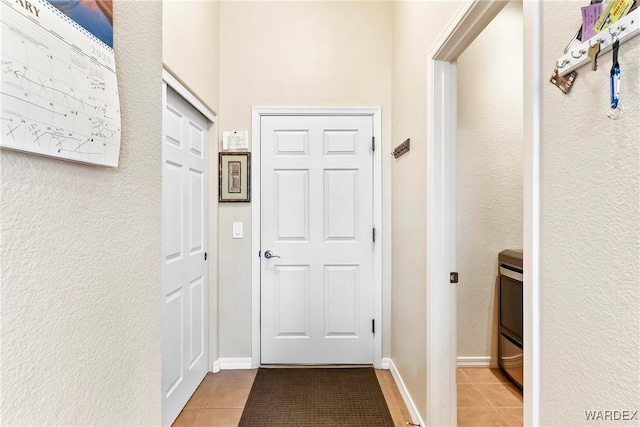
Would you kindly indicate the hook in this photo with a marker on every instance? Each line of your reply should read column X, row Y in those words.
column 600, row 40
column 614, row 35
column 564, row 63
column 580, row 53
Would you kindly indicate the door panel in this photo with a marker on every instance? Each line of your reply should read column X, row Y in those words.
column 317, row 296
column 173, row 340
column 291, row 142
column 197, row 337
column 340, row 142
column 292, row 301
column 292, row 204
column 341, row 204
column 342, row 302
column 196, row 184
column 172, row 210
column 184, row 202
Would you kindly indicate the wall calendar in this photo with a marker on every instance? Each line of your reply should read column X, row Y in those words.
column 59, row 91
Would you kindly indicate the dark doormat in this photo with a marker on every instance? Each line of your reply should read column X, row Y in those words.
column 316, row 397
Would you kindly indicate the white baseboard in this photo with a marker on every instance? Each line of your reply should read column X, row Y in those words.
column 475, row 362
column 235, row 363
column 216, row 366
column 413, row 410
column 386, row 363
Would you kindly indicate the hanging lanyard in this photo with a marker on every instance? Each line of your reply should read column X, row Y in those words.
column 615, row 109
column 615, row 77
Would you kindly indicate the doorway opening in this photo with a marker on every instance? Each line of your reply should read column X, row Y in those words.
column 489, row 220
column 471, row 19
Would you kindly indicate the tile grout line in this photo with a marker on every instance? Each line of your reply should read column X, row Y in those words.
column 489, row 400
column 213, row 390
column 195, row 422
column 492, row 407
column 474, row 385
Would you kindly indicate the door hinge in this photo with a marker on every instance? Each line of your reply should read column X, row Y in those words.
column 373, row 234
column 205, row 256
column 373, row 143
column 373, row 326
column 453, row 277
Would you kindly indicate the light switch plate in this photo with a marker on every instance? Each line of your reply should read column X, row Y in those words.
column 237, row 230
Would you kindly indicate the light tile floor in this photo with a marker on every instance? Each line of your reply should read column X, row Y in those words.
column 487, row 398
column 220, row 399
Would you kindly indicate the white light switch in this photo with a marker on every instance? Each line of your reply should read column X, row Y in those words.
column 237, row 230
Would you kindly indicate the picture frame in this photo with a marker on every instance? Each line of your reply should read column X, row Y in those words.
column 234, row 177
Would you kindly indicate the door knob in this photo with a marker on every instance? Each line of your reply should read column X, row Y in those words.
column 268, row 255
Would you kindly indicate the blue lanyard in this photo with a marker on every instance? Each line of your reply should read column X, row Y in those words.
column 615, row 77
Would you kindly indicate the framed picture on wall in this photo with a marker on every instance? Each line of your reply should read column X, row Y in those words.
column 234, row 177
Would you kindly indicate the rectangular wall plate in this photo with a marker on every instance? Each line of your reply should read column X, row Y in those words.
column 235, row 140
column 237, row 230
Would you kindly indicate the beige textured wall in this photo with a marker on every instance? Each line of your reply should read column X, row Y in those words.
column 416, row 25
column 291, row 54
column 80, row 259
column 191, row 46
column 590, row 234
column 488, row 175
column 191, row 53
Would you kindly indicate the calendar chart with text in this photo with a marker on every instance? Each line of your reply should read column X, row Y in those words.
column 59, row 91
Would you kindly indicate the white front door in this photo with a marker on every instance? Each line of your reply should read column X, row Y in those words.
column 184, row 222
column 317, row 290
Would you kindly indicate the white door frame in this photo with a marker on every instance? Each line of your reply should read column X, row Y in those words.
column 381, row 283
column 470, row 20
column 169, row 81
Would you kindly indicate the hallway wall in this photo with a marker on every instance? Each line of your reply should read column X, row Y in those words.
column 488, row 176
column 191, row 53
column 292, row 54
column 416, row 26
column 80, row 262
column 191, row 46
column 590, row 248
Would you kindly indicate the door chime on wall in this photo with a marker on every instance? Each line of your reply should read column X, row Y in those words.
column 603, row 28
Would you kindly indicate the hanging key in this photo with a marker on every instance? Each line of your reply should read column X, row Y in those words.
column 593, row 54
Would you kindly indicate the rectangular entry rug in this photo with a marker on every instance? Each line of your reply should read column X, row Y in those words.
column 282, row 397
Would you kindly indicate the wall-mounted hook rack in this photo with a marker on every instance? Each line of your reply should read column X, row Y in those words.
column 402, row 148
column 623, row 30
